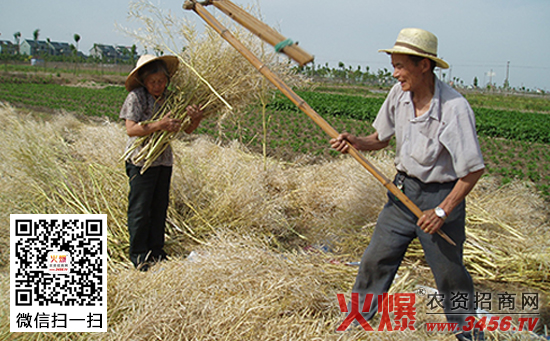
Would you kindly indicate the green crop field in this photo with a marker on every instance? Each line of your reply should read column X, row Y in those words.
column 80, row 100
column 514, row 130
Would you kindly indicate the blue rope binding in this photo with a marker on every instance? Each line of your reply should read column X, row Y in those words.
column 280, row 46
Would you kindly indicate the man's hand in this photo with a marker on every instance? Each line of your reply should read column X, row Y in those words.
column 341, row 142
column 430, row 222
column 370, row 142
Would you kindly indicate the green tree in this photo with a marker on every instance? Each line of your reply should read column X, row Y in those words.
column 17, row 37
column 341, row 73
column 49, row 46
column 35, row 35
column 384, row 77
column 134, row 54
column 475, row 82
column 76, row 39
column 73, row 49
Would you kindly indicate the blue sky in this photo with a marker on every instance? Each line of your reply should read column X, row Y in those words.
column 475, row 36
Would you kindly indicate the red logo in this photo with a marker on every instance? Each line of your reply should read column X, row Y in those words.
column 401, row 305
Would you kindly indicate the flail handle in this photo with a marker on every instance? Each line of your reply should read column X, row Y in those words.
column 306, row 108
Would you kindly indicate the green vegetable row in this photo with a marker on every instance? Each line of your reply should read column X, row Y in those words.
column 514, row 125
column 92, row 102
column 356, row 107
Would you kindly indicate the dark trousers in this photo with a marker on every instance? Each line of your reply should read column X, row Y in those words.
column 147, row 205
column 396, row 228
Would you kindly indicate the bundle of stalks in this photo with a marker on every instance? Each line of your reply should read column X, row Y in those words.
column 211, row 73
column 153, row 145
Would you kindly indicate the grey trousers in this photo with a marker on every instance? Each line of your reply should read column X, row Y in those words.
column 396, row 228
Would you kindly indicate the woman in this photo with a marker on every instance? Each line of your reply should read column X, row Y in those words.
column 149, row 192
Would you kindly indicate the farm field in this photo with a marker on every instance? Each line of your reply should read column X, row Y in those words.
column 514, row 130
column 272, row 237
column 272, row 234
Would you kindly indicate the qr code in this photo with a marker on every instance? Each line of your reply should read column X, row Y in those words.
column 58, row 275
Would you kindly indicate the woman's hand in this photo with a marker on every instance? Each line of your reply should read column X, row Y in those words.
column 170, row 124
column 196, row 115
column 166, row 123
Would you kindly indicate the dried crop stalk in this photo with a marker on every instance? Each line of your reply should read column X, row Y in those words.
column 211, row 75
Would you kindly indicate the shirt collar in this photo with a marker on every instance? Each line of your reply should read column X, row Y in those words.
column 435, row 106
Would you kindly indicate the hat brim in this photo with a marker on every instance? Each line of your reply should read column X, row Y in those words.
column 133, row 82
column 403, row 50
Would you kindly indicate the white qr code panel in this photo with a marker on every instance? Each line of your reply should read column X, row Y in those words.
column 58, row 273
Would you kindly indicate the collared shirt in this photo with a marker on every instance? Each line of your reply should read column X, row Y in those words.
column 439, row 146
column 140, row 106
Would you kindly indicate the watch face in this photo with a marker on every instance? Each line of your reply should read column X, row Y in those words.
column 440, row 213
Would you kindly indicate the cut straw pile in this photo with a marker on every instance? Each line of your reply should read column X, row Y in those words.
column 211, row 73
column 248, row 222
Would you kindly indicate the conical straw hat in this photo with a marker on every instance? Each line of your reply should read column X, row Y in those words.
column 133, row 81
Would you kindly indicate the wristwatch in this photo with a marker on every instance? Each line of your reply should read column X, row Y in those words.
column 440, row 213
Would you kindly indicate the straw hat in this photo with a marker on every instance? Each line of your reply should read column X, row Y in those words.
column 133, row 80
column 417, row 42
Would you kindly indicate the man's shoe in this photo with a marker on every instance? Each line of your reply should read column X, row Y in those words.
column 478, row 335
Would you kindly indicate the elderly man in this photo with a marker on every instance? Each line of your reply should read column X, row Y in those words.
column 438, row 160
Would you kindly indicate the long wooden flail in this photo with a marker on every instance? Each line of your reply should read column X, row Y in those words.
column 263, row 31
column 302, row 105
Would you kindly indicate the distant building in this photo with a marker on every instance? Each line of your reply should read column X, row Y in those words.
column 34, row 47
column 7, row 47
column 109, row 53
column 41, row 47
column 60, row 49
column 103, row 52
column 125, row 53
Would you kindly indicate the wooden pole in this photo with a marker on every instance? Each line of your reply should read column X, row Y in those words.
column 302, row 105
column 263, row 31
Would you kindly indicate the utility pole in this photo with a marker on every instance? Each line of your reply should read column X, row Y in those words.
column 507, row 81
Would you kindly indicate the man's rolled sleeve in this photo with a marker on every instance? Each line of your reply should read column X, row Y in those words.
column 460, row 139
column 385, row 120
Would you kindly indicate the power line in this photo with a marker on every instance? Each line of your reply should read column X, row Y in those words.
column 488, row 64
column 512, row 66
